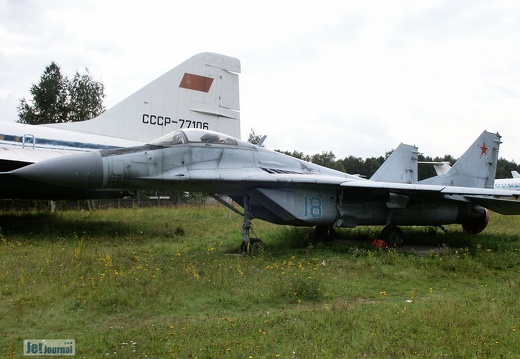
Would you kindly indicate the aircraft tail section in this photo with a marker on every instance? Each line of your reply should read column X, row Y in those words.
column 399, row 167
column 202, row 92
column 475, row 168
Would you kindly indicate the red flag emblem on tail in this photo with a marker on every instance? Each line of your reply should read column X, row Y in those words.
column 196, row 82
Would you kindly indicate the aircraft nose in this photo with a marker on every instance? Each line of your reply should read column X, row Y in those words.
column 83, row 170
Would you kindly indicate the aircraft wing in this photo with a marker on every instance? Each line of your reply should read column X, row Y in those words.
column 232, row 181
column 486, row 197
column 418, row 188
column 502, row 206
column 247, row 177
column 236, row 182
column 326, row 181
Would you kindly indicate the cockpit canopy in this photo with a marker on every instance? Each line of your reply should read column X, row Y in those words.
column 194, row 135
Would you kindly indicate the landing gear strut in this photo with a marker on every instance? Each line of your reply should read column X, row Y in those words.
column 249, row 245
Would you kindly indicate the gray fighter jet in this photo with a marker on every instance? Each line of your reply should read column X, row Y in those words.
column 284, row 190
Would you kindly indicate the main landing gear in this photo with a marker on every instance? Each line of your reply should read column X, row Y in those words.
column 324, row 233
column 392, row 235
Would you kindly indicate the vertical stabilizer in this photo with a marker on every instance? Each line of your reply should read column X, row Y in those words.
column 399, row 167
column 202, row 92
column 476, row 167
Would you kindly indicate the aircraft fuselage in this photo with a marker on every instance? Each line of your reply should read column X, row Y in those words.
column 281, row 189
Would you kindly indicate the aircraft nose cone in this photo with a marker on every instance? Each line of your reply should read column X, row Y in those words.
column 84, row 170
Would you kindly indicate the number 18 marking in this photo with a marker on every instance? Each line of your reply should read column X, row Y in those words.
column 313, row 207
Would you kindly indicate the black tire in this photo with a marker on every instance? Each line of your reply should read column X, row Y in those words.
column 392, row 235
column 324, row 233
column 254, row 247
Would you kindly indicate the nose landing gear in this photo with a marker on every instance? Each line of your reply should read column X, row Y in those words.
column 249, row 245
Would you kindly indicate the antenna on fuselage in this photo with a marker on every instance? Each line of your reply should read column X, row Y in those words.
column 261, row 142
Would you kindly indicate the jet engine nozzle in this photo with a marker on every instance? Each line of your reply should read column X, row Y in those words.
column 478, row 221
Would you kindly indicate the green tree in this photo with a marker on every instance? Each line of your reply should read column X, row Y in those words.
column 504, row 168
column 296, row 154
column 55, row 99
column 253, row 137
column 327, row 159
column 85, row 97
column 49, row 99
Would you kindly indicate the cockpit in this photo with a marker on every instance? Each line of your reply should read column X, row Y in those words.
column 194, row 135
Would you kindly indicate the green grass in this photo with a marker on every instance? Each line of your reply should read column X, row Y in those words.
column 168, row 283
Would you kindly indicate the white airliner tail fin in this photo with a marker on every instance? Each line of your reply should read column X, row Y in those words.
column 202, row 92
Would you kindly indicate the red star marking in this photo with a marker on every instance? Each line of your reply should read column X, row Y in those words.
column 484, row 149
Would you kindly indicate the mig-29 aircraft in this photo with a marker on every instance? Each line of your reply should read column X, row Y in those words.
column 285, row 190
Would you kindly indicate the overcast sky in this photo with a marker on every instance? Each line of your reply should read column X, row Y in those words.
column 351, row 77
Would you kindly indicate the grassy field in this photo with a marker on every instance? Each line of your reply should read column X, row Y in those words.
column 168, row 283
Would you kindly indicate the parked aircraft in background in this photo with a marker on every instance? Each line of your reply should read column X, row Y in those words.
column 285, row 190
column 202, row 92
column 509, row 183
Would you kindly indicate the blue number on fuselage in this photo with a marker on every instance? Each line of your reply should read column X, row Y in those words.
column 313, row 207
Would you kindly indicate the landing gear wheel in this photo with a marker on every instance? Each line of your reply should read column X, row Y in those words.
column 324, row 233
column 392, row 235
column 255, row 246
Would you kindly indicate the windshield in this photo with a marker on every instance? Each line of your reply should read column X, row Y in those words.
column 197, row 135
column 171, row 139
column 180, row 137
